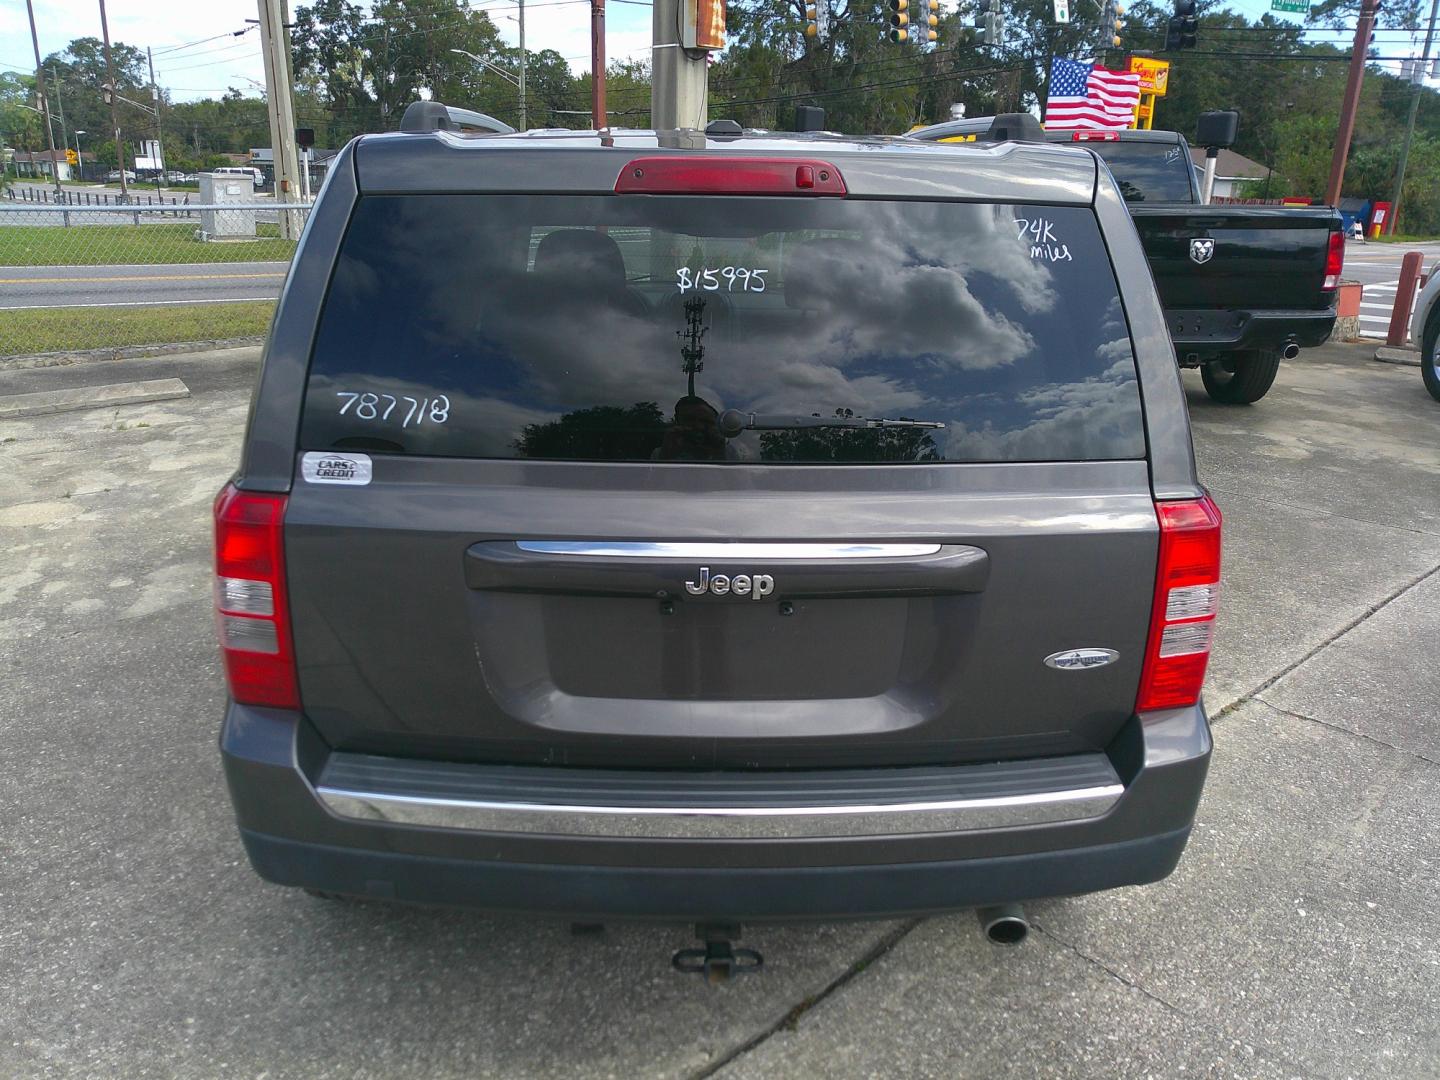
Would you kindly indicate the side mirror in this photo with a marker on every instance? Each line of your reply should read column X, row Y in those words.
column 1217, row 128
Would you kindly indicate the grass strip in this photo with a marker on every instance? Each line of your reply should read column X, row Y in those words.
column 127, row 244
column 23, row 333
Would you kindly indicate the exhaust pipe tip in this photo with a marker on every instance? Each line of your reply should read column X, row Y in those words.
column 1290, row 351
column 1004, row 924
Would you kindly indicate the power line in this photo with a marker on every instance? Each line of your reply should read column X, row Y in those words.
column 201, row 41
column 221, row 49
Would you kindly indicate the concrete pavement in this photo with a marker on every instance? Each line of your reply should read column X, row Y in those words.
column 138, row 286
column 1297, row 939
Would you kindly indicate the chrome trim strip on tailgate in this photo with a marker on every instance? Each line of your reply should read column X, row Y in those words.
column 624, row 549
column 725, row 823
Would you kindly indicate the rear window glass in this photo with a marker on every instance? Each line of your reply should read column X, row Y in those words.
column 784, row 330
column 1148, row 171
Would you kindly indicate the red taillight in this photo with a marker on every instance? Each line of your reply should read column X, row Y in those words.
column 707, row 175
column 1095, row 136
column 1334, row 261
column 251, row 613
column 1187, row 593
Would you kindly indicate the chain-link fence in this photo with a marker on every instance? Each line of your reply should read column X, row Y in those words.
column 76, row 278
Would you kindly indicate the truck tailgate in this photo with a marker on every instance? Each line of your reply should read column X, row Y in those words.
column 1263, row 256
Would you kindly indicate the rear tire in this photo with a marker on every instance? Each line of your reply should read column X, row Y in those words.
column 1251, row 380
column 1430, row 355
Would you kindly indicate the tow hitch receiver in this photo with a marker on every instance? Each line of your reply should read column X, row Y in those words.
column 719, row 959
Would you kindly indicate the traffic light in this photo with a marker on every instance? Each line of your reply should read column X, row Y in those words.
column 988, row 23
column 899, row 20
column 1110, row 24
column 932, row 20
column 812, row 20
column 1180, row 30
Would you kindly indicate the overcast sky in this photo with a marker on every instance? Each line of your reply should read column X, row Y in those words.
column 209, row 68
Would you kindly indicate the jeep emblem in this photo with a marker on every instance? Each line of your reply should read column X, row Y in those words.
column 1081, row 659
column 1202, row 250
column 755, row 586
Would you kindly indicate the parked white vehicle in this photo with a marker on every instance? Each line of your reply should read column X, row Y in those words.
column 241, row 170
column 1425, row 330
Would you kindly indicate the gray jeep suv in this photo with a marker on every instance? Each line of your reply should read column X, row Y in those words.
column 686, row 527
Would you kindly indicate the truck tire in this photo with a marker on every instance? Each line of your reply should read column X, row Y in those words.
column 1430, row 355
column 1252, row 377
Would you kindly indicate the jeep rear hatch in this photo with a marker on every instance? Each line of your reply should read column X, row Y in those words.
column 665, row 480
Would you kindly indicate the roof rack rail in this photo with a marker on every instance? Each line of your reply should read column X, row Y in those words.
column 1007, row 127
column 433, row 116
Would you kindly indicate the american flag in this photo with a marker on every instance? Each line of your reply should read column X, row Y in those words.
column 1090, row 96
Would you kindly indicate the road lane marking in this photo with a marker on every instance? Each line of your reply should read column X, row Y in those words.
column 139, row 303
column 137, row 277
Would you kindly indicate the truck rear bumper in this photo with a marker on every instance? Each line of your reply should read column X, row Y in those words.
column 1207, row 331
column 798, row 855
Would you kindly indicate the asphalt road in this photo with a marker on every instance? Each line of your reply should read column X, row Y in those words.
column 138, row 286
column 1299, row 937
column 1377, row 267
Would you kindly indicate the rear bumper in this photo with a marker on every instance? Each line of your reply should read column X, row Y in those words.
column 703, row 861
column 1206, row 331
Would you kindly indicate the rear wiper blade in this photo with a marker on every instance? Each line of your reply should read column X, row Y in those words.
column 733, row 422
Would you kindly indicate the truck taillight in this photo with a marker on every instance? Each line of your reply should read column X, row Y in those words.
column 1095, row 136
column 1187, row 594
column 251, row 613
column 1334, row 261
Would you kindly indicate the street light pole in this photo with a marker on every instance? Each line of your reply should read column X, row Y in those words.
column 1415, row 89
column 159, row 130
column 44, row 105
column 519, row 83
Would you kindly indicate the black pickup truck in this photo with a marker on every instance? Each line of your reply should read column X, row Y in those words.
column 1242, row 286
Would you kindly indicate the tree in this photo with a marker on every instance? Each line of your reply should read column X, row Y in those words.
column 363, row 70
column 607, row 432
column 627, row 97
column 849, row 445
column 20, row 127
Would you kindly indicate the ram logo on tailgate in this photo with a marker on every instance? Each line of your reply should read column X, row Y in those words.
column 755, row 586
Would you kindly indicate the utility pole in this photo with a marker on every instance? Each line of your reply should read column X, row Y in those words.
column 159, row 130
column 678, row 84
column 44, row 105
column 1415, row 90
column 1351, row 101
column 114, row 93
column 60, row 109
column 597, row 64
column 524, row 118
column 274, row 39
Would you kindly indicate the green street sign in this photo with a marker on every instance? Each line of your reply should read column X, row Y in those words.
column 1301, row 7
